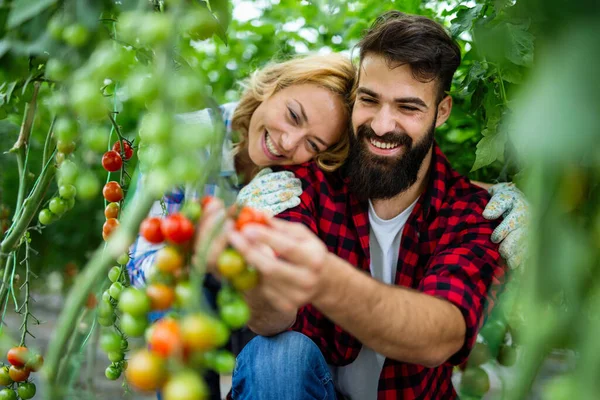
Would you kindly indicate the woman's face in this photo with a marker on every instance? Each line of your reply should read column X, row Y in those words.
column 294, row 125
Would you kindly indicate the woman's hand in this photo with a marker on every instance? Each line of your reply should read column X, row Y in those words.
column 508, row 201
column 271, row 192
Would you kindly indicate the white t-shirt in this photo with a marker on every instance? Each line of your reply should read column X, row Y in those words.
column 359, row 380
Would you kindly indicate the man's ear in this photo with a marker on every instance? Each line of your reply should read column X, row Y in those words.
column 443, row 110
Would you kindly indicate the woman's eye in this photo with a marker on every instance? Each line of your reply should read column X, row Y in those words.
column 313, row 146
column 293, row 115
column 367, row 100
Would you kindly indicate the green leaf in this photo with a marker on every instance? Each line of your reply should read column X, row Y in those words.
column 23, row 10
column 464, row 19
column 520, row 49
column 489, row 149
column 513, row 75
column 220, row 8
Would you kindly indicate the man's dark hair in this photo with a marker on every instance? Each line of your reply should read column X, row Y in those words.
column 417, row 41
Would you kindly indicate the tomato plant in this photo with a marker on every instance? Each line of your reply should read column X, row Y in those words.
column 112, row 161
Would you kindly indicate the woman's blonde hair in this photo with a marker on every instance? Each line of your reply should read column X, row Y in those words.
column 332, row 71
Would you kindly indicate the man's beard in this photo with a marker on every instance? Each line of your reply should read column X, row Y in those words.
column 372, row 176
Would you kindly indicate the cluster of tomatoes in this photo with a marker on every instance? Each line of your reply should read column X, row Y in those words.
column 14, row 377
column 58, row 205
column 186, row 341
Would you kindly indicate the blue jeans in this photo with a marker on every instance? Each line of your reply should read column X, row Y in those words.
column 286, row 366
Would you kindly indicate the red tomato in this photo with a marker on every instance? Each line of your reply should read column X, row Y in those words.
column 112, row 161
column 18, row 374
column 128, row 150
column 249, row 215
column 109, row 226
column 112, row 192
column 165, row 339
column 177, row 229
column 18, row 356
column 150, row 229
column 206, row 201
column 111, row 210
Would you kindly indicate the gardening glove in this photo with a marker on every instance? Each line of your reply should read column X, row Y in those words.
column 509, row 202
column 271, row 192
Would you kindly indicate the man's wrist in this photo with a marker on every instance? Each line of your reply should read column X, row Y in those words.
column 332, row 279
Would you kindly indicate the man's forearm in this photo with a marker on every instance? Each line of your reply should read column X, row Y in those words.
column 266, row 320
column 397, row 322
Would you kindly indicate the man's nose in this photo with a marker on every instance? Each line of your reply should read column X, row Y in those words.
column 383, row 122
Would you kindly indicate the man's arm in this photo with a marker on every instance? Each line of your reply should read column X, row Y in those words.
column 400, row 323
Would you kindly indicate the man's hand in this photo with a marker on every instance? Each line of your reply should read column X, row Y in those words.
column 294, row 278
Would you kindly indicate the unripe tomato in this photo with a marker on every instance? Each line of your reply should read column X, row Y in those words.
column 35, row 362
column 114, row 274
column 110, row 341
column 249, row 215
column 235, row 314
column 142, row 88
column 112, row 372
column 67, row 173
column 56, row 70
column 123, row 259
column 161, row 296
column 127, row 145
column 198, row 332
column 112, row 161
column 146, row 371
column 133, row 326
column 5, row 378
column 57, row 205
column 151, row 231
column 87, row 100
column 65, row 129
column 177, row 229
column 26, row 390
column 168, row 260
column 115, row 290
column 55, row 27
column 165, row 339
column 65, row 147
column 112, row 210
column 67, row 191
column 230, row 263
column 135, row 302
column 246, row 280
column 87, row 186
column 108, row 320
column 192, row 210
column 116, row 356
column 183, row 294
column 18, row 356
column 224, row 362
column 109, row 226
column 96, row 138
column 112, row 192
column 75, row 35
column 46, row 217
column 19, row 374
column 185, row 385
column 8, row 394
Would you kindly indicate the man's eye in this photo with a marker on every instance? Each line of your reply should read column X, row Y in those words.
column 408, row 108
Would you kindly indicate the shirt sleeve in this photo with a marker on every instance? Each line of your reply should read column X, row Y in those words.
column 468, row 273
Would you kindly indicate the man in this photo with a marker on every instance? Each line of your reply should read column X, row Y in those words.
column 383, row 287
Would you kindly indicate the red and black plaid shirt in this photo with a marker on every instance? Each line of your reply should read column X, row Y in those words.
column 445, row 251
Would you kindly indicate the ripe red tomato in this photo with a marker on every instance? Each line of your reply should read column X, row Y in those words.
column 18, row 356
column 112, row 192
column 150, row 229
column 18, row 374
column 177, row 229
column 128, row 150
column 111, row 210
column 165, row 339
column 112, row 161
column 206, row 201
column 109, row 226
column 249, row 215
column 161, row 296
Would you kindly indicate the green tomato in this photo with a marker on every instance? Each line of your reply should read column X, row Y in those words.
column 58, row 103
column 70, row 203
column 116, row 356
column 115, row 290
column 221, row 333
column 110, row 342
column 123, row 259
column 124, row 344
column 107, row 321
column 143, row 89
column 67, row 191
column 56, row 70
column 26, row 390
column 75, row 35
column 96, row 138
column 133, row 326
column 67, row 173
column 114, row 274
column 105, row 309
column 5, row 378
column 65, row 129
column 192, row 210
column 8, row 394
column 184, row 296
column 154, row 28
column 87, row 100
column 185, row 385
column 155, row 128
column 106, row 297
column 55, row 27
column 134, row 302
column 88, row 186
column 112, row 372
column 58, row 206
column 65, row 147
column 235, row 314
column 46, row 217
column 224, row 362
